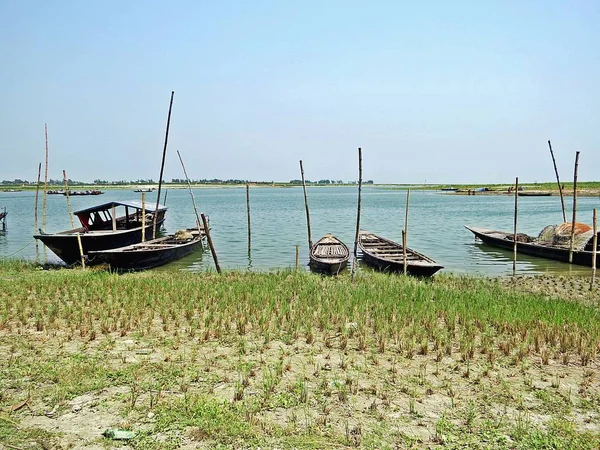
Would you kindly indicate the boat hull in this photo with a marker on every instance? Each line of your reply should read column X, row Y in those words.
column 499, row 239
column 144, row 258
column 331, row 268
column 66, row 245
column 385, row 255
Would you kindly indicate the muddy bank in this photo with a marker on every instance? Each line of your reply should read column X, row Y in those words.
column 556, row 287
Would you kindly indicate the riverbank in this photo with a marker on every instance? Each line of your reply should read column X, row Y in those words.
column 585, row 188
column 294, row 360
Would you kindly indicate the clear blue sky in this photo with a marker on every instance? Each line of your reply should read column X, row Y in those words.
column 436, row 90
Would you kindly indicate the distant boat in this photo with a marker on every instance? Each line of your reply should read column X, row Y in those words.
column 388, row 256
column 109, row 225
column 450, row 189
column 55, row 191
column 152, row 253
column 144, row 189
column 534, row 193
column 553, row 242
column 329, row 255
column 86, row 192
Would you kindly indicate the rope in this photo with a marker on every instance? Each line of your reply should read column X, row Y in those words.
column 12, row 254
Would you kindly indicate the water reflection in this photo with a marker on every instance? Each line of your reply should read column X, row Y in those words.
column 500, row 261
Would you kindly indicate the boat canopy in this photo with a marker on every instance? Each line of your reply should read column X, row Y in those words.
column 128, row 204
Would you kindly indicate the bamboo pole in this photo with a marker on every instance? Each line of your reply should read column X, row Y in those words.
column 515, row 227
column 81, row 251
column 45, row 181
column 560, row 191
column 162, row 166
column 574, row 207
column 248, row 209
column 210, row 242
column 297, row 256
column 198, row 222
column 595, row 249
column 306, row 207
column 35, row 208
column 68, row 199
column 143, row 217
column 354, row 261
column 113, row 213
column 405, row 232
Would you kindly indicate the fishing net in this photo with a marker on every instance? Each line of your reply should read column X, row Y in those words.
column 560, row 235
column 183, row 235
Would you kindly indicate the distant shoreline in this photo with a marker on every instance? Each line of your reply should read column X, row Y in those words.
column 584, row 189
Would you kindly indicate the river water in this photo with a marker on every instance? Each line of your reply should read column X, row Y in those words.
column 435, row 224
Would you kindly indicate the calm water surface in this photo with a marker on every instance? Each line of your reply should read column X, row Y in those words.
column 435, row 224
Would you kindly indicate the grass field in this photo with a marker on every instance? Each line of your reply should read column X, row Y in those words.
column 293, row 360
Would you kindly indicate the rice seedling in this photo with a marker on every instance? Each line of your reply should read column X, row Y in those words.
column 251, row 337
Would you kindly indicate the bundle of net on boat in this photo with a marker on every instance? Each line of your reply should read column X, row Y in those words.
column 560, row 235
column 183, row 235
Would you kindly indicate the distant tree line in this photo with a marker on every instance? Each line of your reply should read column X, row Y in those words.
column 99, row 182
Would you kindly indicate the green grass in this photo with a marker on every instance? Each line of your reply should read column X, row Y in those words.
column 291, row 359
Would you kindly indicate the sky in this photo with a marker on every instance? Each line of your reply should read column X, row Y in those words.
column 432, row 91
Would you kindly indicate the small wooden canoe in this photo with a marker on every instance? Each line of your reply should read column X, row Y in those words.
column 149, row 254
column 388, row 256
column 329, row 255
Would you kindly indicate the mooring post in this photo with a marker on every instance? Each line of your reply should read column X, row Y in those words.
column 297, row 256
column 162, row 166
column 198, row 223
column 81, row 251
column 248, row 209
column 355, row 259
column 35, row 208
column 560, row 191
column 68, row 199
column 595, row 249
column 45, row 181
column 306, row 207
column 143, row 217
column 405, row 232
column 210, row 242
column 574, row 207
column 515, row 227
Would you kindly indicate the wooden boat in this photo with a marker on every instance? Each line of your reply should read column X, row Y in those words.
column 553, row 242
column 387, row 255
column 109, row 225
column 534, row 194
column 86, row 192
column 144, row 189
column 149, row 254
column 329, row 255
